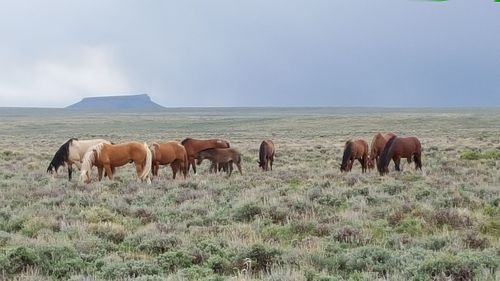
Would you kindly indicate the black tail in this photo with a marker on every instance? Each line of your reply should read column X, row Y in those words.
column 60, row 157
column 385, row 157
column 347, row 155
column 262, row 155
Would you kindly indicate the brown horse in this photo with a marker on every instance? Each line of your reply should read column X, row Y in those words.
column 354, row 149
column 378, row 143
column 221, row 156
column 193, row 146
column 108, row 156
column 171, row 153
column 266, row 155
column 397, row 148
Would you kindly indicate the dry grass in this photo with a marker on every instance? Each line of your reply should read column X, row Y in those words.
column 303, row 221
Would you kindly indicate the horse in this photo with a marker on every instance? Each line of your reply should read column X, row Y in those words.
column 397, row 148
column 221, row 156
column 171, row 153
column 108, row 156
column 377, row 146
column 72, row 152
column 266, row 155
column 354, row 149
column 193, row 146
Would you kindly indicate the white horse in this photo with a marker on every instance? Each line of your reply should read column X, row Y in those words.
column 72, row 152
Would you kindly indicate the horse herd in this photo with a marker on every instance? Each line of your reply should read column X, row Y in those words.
column 106, row 156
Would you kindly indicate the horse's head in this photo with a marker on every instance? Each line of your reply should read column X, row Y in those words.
column 343, row 167
column 370, row 163
column 201, row 156
column 51, row 169
column 85, row 177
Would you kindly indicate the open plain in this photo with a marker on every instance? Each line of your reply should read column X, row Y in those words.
column 304, row 220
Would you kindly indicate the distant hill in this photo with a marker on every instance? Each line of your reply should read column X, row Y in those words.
column 117, row 103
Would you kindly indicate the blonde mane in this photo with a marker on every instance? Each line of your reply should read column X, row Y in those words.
column 90, row 157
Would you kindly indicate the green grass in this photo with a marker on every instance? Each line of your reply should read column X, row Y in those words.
column 303, row 221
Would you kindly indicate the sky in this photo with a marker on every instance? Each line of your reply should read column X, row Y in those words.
column 389, row 53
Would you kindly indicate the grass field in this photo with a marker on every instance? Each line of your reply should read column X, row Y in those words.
column 303, row 221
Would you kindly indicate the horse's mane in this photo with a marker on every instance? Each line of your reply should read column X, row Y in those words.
column 386, row 156
column 61, row 155
column 152, row 148
column 183, row 142
column 347, row 153
column 372, row 146
column 90, row 157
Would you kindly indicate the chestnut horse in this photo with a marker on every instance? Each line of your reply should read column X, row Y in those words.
column 193, row 146
column 108, row 156
column 266, row 155
column 71, row 152
column 378, row 143
column 221, row 157
column 354, row 149
column 171, row 153
column 397, row 148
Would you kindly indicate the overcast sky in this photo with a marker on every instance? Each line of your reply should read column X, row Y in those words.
column 252, row 52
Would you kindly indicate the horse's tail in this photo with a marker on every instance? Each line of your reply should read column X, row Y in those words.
column 347, row 153
column 373, row 145
column 386, row 156
column 262, row 154
column 61, row 156
column 149, row 161
column 186, row 163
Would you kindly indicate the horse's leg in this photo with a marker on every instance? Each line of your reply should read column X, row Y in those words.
column 271, row 162
column 109, row 171
column 174, row 165
column 70, row 171
column 238, row 165
column 360, row 160
column 230, row 167
column 193, row 164
column 99, row 173
column 349, row 165
column 138, row 170
column 397, row 161
column 418, row 161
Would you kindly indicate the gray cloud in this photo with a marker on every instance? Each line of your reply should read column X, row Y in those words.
column 244, row 53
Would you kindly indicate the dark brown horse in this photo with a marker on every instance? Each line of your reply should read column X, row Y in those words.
column 378, row 143
column 397, row 148
column 171, row 153
column 194, row 146
column 354, row 149
column 221, row 156
column 266, row 155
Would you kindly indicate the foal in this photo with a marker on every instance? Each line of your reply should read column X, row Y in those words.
column 220, row 157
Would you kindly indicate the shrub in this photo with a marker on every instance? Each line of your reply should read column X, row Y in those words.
column 456, row 267
column 370, row 258
column 173, row 261
column 219, row 264
column 477, row 154
column 262, row 258
column 247, row 212
column 111, row 231
column 128, row 269
column 196, row 272
column 58, row 262
column 97, row 214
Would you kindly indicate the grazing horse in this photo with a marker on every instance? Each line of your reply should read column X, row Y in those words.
column 108, row 156
column 397, row 148
column 72, row 152
column 171, row 153
column 266, row 155
column 378, row 143
column 354, row 149
column 221, row 156
column 193, row 146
